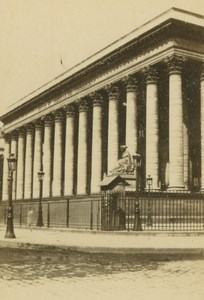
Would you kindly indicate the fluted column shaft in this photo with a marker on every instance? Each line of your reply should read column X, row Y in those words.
column 69, row 150
column 113, row 128
column 47, row 156
column 131, row 115
column 57, row 158
column 20, row 164
column 5, row 191
column 152, row 125
column 186, row 156
column 82, row 161
column 28, row 163
column 14, row 138
column 96, row 165
column 176, row 171
column 202, row 125
column 37, row 163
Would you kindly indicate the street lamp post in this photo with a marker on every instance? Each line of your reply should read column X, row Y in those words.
column 149, row 208
column 137, row 221
column 40, row 212
column 9, row 228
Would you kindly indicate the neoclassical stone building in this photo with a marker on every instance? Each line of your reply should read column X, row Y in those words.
column 145, row 90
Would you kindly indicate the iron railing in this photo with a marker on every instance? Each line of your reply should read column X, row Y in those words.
column 157, row 211
column 68, row 213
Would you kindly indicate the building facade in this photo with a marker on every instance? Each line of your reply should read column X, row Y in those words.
column 146, row 91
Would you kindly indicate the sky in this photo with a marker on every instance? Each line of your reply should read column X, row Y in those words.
column 35, row 35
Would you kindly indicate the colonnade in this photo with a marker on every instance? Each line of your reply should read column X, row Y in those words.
column 59, row 142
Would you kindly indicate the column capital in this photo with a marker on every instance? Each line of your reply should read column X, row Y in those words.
column 175, row 63
column 58, row 115
column 113, row 92
column 202, row 72
column 97, row 99
column 83, row 105
column 48, row 120
column 29, row 128
column 38, row 124
column 70, row 110
column 14, row 135
column 151, row 74
column 131, row 83
column 21, row 131
column 7, row 137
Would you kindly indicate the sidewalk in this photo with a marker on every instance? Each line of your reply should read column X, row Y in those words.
column 105, row 242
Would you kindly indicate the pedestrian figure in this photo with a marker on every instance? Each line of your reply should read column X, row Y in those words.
column 29, row 217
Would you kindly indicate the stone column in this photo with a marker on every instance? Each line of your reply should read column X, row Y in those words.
column 37, row 162
column 152, row 127
column 21, row 164
column 131, row 115
column 176, row 171
column 47, row 156
column 113, row 127
column 57, row 157
column 69, row 150
column 82, row 158
column 96, row 164
column 186, row 156
column 28, row 162
column 14, row 138
column 5, row 191
column 202, row 125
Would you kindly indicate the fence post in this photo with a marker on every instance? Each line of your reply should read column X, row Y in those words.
column 98, row 213
column 48, row 215
column 67, row 212
column 20, row 217
column 91, row 216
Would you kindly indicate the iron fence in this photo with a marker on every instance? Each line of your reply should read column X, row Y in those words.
column 68, row 213
column 157, row 211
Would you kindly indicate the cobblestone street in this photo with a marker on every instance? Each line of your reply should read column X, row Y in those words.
column 31, row 274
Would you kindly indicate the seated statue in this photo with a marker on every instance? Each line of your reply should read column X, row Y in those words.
column 125, row 164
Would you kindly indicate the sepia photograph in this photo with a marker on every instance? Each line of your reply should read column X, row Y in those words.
column 101, row 149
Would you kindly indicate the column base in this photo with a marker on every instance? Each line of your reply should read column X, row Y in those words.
column 176, row 188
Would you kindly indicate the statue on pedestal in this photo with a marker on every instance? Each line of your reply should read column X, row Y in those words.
column 125, row 164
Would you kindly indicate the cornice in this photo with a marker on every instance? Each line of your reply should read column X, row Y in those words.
column 170, row 27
